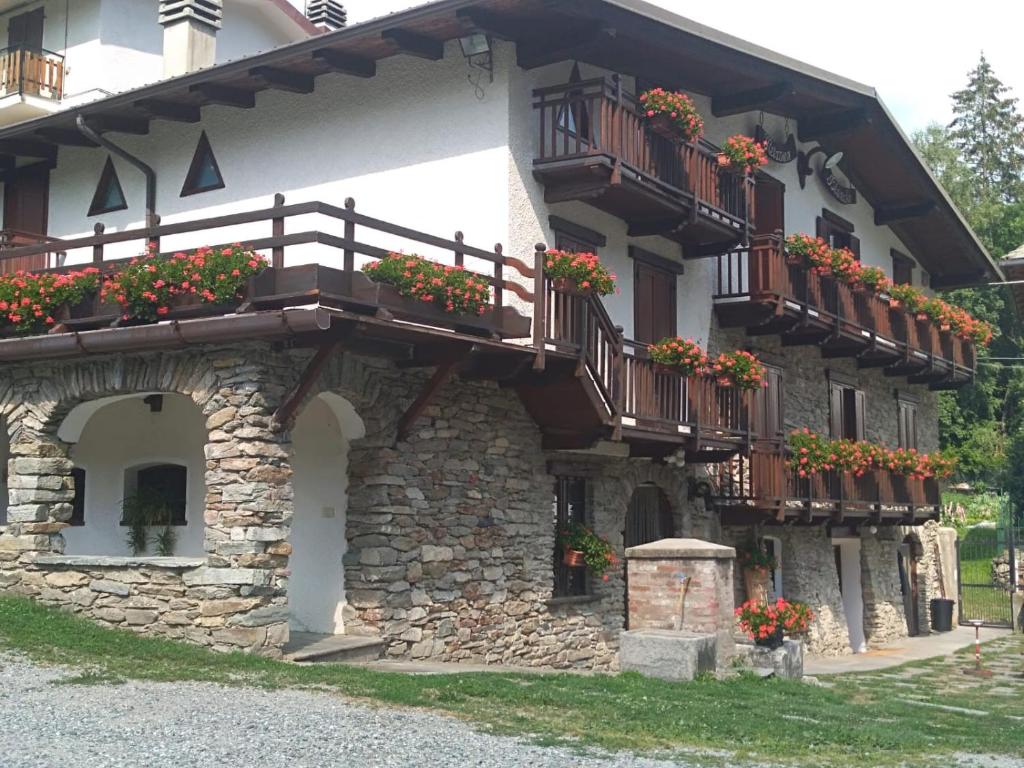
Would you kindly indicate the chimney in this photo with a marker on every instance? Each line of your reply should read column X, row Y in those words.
column 190, row 34
column 329, row 15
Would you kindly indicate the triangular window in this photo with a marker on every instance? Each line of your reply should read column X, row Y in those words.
column 108, row 195
column 574, row 117
column 204, row 173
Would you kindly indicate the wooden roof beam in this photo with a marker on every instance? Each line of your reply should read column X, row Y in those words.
column 119, row 124
column 442, row 373
column 414, row 44
column 28, row 148
column 225, row 95
column 831, row 124
column 283, row 79
column 346, row 63
column 492, row 23
column 890, row 214
column 746, row 101
column 168, row 110
column 67, row 136
column 558, row 46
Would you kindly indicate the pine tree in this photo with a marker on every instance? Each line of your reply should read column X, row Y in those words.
column 989, row 133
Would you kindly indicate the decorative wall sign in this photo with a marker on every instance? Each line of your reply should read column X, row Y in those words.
column 778, row 153
column 841, row 192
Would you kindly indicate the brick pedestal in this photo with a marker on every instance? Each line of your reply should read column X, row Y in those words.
column 656, row 600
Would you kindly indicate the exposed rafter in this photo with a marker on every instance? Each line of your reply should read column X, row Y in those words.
column 119, row 124
column 226, row 95
column 745, row 101
column 282, row 79
column 556, row 46
column 66, row 136
column 890, row 214
column 414, row 44
column 652, row 227
column 28, row 148
column 345, row 63
column 167, row 110
column 493, row 23
column 441, row 375
column 822, row 126
column 284, row 416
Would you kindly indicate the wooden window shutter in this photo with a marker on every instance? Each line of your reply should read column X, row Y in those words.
column 907, row 424
column 654, row 303
column 859, row 402
column 855, row 246
column 836, row 410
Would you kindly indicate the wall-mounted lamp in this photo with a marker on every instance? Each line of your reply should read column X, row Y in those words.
column 476, row 47
column 803, row 163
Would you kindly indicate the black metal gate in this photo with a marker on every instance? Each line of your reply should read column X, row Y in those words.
column 990, row 561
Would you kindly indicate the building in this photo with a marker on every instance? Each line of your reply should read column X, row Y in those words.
column 340, row 461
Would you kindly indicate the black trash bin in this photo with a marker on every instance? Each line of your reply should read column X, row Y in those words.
column 942, row 614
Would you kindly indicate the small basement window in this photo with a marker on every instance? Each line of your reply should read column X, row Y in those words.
column 162, row 489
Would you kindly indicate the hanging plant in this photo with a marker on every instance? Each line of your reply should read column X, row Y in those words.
column 739, row 369
column 742, row 154
column 684, row 356
column 767, row 623
column 578, row 272
column 874, row 279
column 808, row 251
column 908, row 296
column 580, row 543
column 671, row 113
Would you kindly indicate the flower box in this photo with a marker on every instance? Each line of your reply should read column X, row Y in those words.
column 571, row 286
column 92, row 311
column 666, row 127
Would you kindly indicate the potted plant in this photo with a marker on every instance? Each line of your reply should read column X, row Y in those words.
column 578, row 273
column 874, row 279
column 682, row 356
column 451, row 290
column 671, row 114
column 140, row 512
column 739, row 369
column 583, row 548
column 741, row 154
column 808, row 251
column 32, row 303
column 767, row 623
column 905, row 295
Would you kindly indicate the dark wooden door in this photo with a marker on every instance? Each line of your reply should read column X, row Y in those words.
column 654, row 303
column 26, row 203
column 769, row 205
column 26, row 30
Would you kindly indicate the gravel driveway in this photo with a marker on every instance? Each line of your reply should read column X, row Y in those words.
column 193, row 725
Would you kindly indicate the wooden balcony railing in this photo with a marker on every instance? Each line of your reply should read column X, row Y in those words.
column 756, row 284
column 762, row 482
column 636, row 394
column 31, row 72
column 597, row 119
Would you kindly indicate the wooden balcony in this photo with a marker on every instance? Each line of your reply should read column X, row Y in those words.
column 593, row 146
column 31, row 72
column 760, row 488
column 757, row 288
column 590, row 384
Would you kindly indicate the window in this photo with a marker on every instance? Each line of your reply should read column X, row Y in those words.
column 846, row 409
column 906, row 410
column 163, row 484
column 902, row 268
column 570, row 236
column 837, row 231
column 108, row 196
column 78, row 504
column 570, row 506
column 204, row 173
column 573, row 117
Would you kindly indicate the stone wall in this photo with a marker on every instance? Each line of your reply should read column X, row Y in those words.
column 885, row 618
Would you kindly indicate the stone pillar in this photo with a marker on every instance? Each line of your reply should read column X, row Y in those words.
column 655, row 592
column 40, row 495
column 885, row 618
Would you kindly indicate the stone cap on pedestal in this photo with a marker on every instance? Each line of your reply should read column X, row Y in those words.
column 678, row 549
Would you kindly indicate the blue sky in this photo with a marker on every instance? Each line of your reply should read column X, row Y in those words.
column 914, row 53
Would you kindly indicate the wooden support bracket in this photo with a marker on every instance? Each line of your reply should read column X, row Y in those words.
column 430, row 389
column 284, row 416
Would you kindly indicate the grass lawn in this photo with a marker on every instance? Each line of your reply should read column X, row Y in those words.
column 859, row 721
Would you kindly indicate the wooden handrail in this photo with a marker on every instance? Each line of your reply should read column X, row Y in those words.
column 32, row 71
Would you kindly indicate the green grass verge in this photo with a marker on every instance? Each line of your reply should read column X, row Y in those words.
column 858, row 722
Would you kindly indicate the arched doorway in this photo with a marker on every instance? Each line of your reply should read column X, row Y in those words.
column 320, row 443
column 907, row 559
column 648, row 518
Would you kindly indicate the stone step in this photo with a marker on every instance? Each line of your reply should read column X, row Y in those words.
column 307, row 647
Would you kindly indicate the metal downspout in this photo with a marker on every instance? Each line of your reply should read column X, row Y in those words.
column 152, row 219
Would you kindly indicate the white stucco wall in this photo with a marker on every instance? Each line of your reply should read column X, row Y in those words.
column 125, row 434
column 320, row 442
column 413, row 145
column 853, row 591
column 246, row 30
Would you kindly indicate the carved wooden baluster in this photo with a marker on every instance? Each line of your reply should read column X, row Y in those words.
column 97, row 249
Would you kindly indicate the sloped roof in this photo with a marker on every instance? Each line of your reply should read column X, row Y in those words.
column 628, row 36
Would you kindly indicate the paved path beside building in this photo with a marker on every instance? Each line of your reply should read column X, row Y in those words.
column 900, row 652
column 197, row 725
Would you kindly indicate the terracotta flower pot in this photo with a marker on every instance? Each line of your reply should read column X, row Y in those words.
column 573, row 558
column 723, row 160
column 665, row 127
column 570, row 286
column 895, row 304
column 794, row 259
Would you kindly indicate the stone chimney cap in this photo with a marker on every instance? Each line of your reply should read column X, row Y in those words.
column 326, row 14
column 210, row 12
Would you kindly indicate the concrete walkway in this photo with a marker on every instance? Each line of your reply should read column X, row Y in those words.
column 908, row 649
